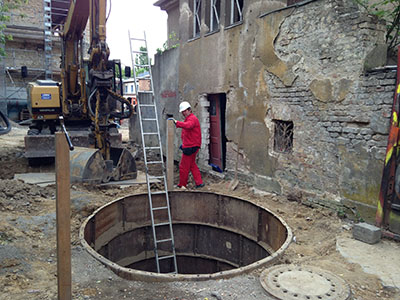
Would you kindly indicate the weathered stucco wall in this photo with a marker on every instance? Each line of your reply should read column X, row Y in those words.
column 308, row 65
column 166, row 78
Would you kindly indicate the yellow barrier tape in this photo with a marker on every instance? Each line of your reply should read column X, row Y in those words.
column 394, row 218
column 379, row 209
column 388, row 155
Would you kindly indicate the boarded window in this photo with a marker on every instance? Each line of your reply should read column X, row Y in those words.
column 234, row 10
column 283, row 137
column 213, row 12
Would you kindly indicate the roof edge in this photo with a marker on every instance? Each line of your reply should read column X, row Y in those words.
column 166, row 4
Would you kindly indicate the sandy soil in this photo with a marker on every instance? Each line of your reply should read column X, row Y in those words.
column 28, row 243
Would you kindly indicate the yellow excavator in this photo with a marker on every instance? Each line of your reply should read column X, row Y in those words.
column 87, row 102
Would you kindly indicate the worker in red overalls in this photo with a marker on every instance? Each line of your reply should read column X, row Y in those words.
column 191, row 142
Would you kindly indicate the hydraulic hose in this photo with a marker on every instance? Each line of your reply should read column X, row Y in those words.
column 123, row 114
column 4, row 119
column 115, row 114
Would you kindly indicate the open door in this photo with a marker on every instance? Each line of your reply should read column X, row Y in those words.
column 217, row 145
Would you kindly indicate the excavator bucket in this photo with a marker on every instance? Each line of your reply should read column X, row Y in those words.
column 124, row 165
column 88, row 165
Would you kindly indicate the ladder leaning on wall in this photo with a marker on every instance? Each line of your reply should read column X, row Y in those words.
column 160, row 213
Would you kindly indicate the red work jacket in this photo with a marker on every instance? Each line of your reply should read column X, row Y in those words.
column 191, row 132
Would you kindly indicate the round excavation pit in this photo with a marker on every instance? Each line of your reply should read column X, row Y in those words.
column 216, row 236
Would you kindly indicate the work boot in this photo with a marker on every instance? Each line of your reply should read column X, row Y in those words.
column 200, row 185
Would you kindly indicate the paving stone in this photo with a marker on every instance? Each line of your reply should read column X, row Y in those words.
column 367, row 233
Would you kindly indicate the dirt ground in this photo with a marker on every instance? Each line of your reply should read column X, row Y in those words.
column 28, row 264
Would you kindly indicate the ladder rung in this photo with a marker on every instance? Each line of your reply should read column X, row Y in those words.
column 164, row 240
column 150, row 133
column 166, row 257
column 155, row 177
column 160, row 208
column 146, row 105
column 137, row 39
column 158, row 193
column 162, row 224
column 142, row 66
column 137, row 51
column 154, row 162
column 149, row 119
column 145, row 92
column 150, row 148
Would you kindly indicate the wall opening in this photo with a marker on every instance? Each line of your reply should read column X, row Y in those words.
column 233, row 12
column 195, row 7
column 213, row 13
column 283, row 136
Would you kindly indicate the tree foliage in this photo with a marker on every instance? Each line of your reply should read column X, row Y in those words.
column 389, row 11
column 171, row 43
column 6, row 6
column 143, row 60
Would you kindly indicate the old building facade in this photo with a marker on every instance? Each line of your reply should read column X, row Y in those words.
column 297, row 96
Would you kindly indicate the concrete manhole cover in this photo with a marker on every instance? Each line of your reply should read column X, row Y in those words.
column 290, row 282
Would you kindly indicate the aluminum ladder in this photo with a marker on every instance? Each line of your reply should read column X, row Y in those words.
column 161, row 221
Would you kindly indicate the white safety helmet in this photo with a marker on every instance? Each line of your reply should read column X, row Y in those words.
column 184, row 106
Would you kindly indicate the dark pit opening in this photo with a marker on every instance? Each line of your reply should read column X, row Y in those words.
column 214, row 235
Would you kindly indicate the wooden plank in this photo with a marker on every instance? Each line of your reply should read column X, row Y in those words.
column 63, row 214
column 170, row 154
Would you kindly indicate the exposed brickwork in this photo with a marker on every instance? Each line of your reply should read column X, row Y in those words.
column 204, row 118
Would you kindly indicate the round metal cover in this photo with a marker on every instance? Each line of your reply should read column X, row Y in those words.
column 290, row 282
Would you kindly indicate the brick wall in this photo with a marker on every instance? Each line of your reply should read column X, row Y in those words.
column 204, row 117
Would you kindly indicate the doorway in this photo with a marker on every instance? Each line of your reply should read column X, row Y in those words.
column 217, row 146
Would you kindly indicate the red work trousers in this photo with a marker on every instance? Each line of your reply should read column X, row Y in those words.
column 188, row 163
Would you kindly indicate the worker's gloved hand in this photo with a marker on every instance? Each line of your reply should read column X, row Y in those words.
column 172, row 120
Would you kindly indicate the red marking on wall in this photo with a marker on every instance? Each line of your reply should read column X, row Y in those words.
column 168, row 94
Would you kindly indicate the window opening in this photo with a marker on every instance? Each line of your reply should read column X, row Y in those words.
column 214, row 12
column 235, row 11
column 196, row 17
column 283, row 137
